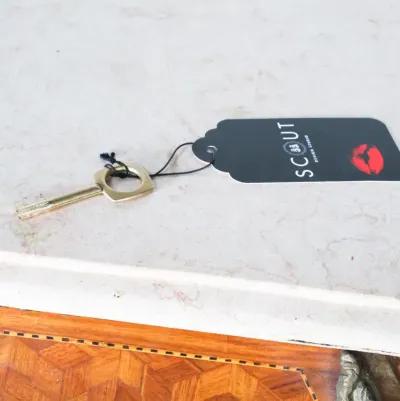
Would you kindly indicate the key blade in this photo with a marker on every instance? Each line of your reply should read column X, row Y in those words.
column 28, row 211
column 45, row 206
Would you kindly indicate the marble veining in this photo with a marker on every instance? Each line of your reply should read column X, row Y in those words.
column 81, row 78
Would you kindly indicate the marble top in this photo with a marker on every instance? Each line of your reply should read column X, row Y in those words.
column 309, row 262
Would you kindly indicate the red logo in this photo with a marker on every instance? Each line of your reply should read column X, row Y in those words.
column 368, row 159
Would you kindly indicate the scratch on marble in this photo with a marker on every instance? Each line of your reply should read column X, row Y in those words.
column 367, row 216
column 328, row 276
column 373, row 21
column 339, row 241
column 166, row 292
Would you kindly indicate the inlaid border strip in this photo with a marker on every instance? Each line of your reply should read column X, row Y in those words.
column 158, row 351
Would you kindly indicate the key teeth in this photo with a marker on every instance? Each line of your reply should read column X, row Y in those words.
column 25, row 212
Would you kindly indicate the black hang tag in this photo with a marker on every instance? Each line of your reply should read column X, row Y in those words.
column 302, row 149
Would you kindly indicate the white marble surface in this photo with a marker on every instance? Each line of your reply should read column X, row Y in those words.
column 292, row 262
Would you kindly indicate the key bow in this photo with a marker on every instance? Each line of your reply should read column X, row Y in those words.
column 103, row 177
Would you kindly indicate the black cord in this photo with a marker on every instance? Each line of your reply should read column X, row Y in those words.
column 110, row 157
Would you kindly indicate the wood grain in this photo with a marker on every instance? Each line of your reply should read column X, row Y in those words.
column 321, row 365
column 45, row 370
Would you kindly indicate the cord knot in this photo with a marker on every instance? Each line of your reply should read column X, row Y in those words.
column 110, row 157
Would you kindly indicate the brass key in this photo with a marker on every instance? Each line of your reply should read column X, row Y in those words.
column 101, row 186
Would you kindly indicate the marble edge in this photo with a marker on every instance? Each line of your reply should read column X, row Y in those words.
column 196, row 301
column 210, row 280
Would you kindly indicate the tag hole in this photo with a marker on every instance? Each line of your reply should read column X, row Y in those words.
column 212, row 149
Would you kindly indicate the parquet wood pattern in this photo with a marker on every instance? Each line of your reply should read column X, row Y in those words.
column 66, row 368
column 33, row 369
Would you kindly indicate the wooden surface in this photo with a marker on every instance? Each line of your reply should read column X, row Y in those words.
column 45, row 370
column 72, row 371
